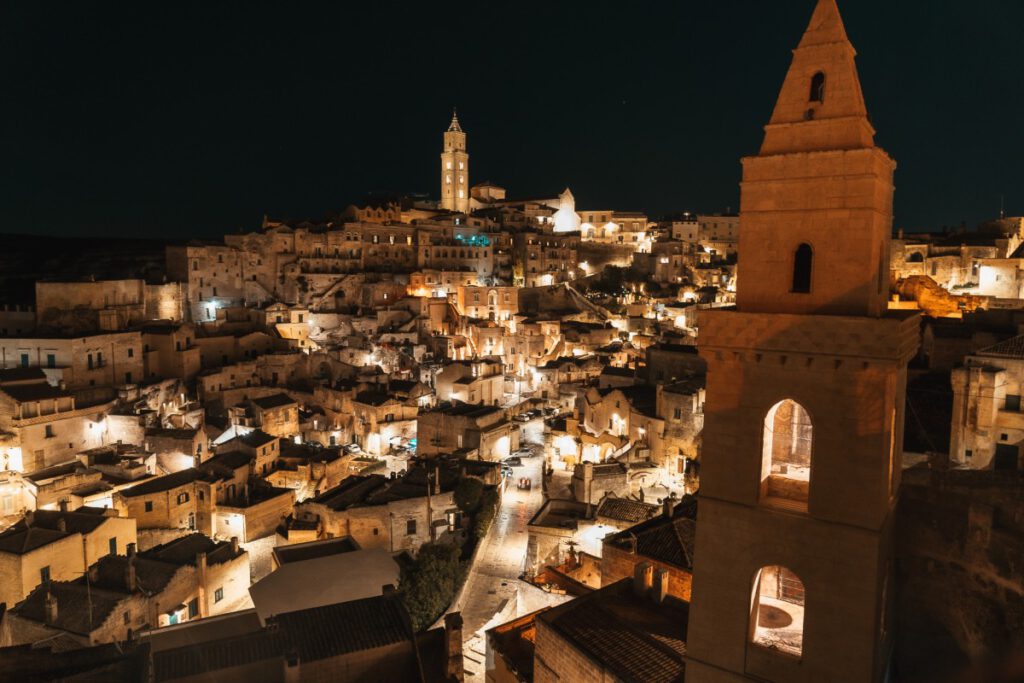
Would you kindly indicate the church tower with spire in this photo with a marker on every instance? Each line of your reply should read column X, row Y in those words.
column 805, row 396
column 455, row 169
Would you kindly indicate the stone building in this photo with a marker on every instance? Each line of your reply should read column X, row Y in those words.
column 988, row 424
column 42, row 425
column 49, row 545
column 93, row 360
column 360, row 640
column 806, row 388
column 467, row 427
column 394, row 514
column 664, row 542
column 188, row 578
column 633, row 630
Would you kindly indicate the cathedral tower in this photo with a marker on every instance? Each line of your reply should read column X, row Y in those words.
column 805, row 396
column 455, row 169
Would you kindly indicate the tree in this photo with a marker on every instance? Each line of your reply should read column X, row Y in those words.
column 485, row 515
column 429, row 582
column 467, row 494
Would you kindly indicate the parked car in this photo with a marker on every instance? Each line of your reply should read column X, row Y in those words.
column 506, row 471
column 512, row 462
column 523, row 452
column 522, row 417
column 353, row 448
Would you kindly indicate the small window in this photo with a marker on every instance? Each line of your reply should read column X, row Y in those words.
column 112, row 545
column 1004, row 437
column 1013, row 403
column 193, row 608
column 48, row 429
column 968, row 454
column 149, row 506
column 51, row 360
column 218, row 595
column 126, row 618
column 802, row 264
column 182, row 498
column 131, row 353
column 410, row 527
column 818, row 87
column 376, row 531
column 44, row 574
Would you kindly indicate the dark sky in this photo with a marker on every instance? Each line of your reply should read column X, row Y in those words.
column 182, row 119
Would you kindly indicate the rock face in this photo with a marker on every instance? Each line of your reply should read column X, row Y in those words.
column 960, row 571
column 933, row 299
column 28, row 258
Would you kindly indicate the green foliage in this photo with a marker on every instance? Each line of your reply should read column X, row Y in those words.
column 485, row 515
column 429, row 583
column 611, row 281
column 467, row 494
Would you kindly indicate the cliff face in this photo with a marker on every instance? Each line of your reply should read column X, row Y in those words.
column 27, row 258
column 960, row 573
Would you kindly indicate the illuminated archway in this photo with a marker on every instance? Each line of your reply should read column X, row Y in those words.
column 786, row 455
column 777, row 611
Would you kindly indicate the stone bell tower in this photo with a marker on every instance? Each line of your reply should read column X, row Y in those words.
column 805, row 397
column 455, row 169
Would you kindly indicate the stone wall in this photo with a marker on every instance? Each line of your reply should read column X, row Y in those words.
column 960, row 571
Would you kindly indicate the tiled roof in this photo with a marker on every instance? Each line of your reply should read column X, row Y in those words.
column 667, row 540
column 1011, row 348
column 346, row 627
column 635, row 637
column 257, row 438
column 164, row 483
column 19, row 541
column 310, row 635
column 274, row 401
column 627, row 510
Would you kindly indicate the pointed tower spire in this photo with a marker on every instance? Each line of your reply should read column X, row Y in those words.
column 826, row 26
column 821, row 105
column 454, row 127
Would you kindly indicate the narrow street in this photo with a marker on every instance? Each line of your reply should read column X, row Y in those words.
column 491, row 581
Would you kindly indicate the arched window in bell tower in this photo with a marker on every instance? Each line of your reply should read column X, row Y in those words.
column 802, row 265
column 818, row 87
column 777, row 611
column 786, row 456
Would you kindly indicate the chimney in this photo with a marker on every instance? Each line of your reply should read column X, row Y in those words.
column 201, row 581
column 453, row 646
column 642, row 577
column 234, row 545
column 94, row 572
column 129, row 575
column 660, row 586
column 63, row 504
column 51, row 608
column 437, row 479
column 131, row 550
column 667, row 505
column 62, row 526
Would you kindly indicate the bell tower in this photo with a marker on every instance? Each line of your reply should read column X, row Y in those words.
column 455, row 169
column 805, row 397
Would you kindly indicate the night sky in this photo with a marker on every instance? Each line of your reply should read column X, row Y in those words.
column 194, row 119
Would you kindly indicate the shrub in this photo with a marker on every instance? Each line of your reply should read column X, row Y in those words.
column 429, row 583
column 485, row 515
column 467, row 494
